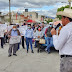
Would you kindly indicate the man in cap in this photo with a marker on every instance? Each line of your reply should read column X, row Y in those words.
column 49, row 37
column 63, row 42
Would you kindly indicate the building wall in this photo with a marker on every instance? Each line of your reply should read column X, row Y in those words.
column 41, row 18
column 13, row 18
column 32, row 15
column 2, row 19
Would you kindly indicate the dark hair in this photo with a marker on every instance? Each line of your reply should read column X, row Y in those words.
column 17, row 26
column 24, row 23
column 42, row 22
column 38, row 27
column 70, row 19
column 33, row 24
column 29, row 24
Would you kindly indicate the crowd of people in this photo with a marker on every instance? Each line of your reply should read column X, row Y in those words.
column 43, row 36
column 31, row 35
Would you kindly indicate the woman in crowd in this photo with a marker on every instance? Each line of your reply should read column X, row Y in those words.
column 38, row 36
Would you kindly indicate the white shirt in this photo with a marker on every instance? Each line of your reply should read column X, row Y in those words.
column 38, row 33
column 22, row 30
column 29, row 33
column 63, row 42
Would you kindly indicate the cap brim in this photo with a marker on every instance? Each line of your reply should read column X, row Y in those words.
column 64, row 14
column 61, row 13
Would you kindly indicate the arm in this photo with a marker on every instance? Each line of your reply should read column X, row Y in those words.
column 42, row 34
column 26, row 34
column 18, row 32
column 60, row 41
column 46, row 30
column 32, row 33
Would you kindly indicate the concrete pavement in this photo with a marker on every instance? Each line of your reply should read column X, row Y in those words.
column 37, row 62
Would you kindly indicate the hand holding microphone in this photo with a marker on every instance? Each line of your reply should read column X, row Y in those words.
column 57, row 26
column 53, row 31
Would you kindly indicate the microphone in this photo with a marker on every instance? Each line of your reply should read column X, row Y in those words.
column 57, row 26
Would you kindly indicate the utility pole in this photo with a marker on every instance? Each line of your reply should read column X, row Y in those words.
column 70, row 3
column 9, row 12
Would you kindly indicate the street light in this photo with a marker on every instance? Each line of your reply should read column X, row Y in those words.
column 9, row 12
column 70, row 3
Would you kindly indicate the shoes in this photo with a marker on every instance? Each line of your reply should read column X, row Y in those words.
column 32, row 51
column 49, row 52
column 9, row 55
column 27, row 51
column 46, row 49
column 1, row 46
column 23, row 47
column 15, row 54
column 38, row 50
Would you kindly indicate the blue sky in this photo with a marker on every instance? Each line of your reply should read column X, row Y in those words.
column 30, row 9
column 43, row 8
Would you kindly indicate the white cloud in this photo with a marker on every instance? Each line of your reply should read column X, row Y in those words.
column 51, row 12
column 29, row 3
column 21, row 4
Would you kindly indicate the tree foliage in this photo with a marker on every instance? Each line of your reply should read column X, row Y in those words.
column 49, row 20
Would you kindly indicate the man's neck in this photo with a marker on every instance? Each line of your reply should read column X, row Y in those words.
column 67, row 23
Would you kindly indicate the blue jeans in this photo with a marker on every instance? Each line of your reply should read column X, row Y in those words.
column 29, row 40
column 49, row 43
column 35, row 44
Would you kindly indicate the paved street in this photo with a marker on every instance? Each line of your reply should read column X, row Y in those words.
column 37, row 62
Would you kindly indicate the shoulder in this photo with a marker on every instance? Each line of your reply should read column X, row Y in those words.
column 17, row 29
column 31, row 29
column 46, row 28
column 11, row 29
column 65, row 30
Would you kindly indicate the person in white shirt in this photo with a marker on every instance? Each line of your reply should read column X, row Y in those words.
column 38, row 36
column 63, row 42
column 29, row 37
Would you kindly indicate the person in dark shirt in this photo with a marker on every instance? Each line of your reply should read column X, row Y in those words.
column 49, row 38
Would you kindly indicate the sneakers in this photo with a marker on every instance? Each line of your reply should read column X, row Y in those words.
column 1, row 46
column 15, row 54
column 27, row 51
column 9, row 55
column 23, row 47
column 49, row 52
column 32, row 51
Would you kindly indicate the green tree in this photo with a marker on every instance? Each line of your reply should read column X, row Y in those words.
column 62, row 9
column 49, row 20
column 8, row 20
